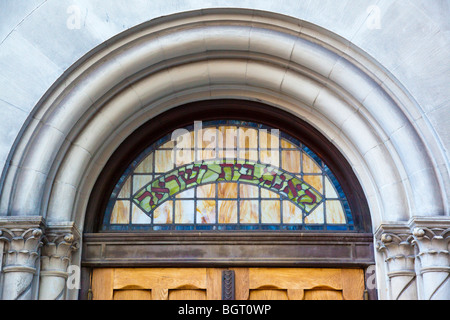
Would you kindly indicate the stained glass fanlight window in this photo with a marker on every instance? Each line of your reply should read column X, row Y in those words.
column 227, row 175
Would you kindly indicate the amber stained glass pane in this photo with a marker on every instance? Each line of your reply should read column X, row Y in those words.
column 228, row 173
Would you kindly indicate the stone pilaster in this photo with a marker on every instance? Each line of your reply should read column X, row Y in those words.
column 56, row 255
column 22, row 240
column 431, row 240
column 394, row 243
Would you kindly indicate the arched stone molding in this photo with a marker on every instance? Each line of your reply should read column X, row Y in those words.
column 214, row 54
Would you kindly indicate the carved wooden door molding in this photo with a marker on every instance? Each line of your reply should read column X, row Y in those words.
column 240, row 284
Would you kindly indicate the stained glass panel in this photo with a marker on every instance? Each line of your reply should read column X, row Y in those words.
column 228, row 175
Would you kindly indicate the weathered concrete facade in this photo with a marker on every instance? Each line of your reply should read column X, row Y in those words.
column 372, row 78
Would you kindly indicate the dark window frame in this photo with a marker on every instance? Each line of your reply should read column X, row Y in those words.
column 326, row 248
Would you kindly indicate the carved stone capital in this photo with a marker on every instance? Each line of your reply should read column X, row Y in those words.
column 398, row 252
column 431, row 238
column 60, row 241
column 56, row 253
column 395, row 243
column 22, row 239
column 432, row 243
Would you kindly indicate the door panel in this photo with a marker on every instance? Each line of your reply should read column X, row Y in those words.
column 268, row 294
column 187, row 294
column 206, row 284
column 132, row 295
column 301, row 283
column 323, row 294
column 156, row 284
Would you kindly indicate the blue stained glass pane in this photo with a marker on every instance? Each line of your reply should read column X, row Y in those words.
column 227, row 227
column 293, row 227
column 118, row 227
column 204, row 227
column 184, row 227
column 139, row 227
column 315, row 228
column 162, row 227
column 249, row 227
column 335, row 182
column 270, row 227
column 348, row 213
column 291, row 140
column 313, row 155
column 337, row 228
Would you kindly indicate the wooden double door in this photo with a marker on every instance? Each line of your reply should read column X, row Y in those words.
column 226, row 283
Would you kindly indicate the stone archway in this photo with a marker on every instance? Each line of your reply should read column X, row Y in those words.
column 290, row 64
